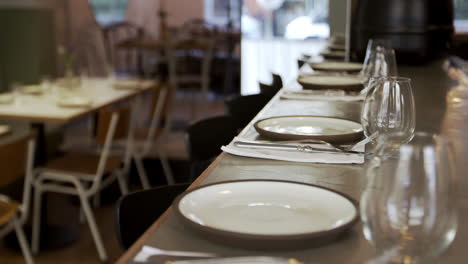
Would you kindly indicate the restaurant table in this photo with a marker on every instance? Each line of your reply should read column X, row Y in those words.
column 44, row 109
column 430, row 86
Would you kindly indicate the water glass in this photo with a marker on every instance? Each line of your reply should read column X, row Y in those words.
column 389, row 107
column 380, row 60
column 408, row 208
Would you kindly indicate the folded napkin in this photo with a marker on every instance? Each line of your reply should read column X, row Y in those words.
column 321, row 97
column 296, row 156
column 150, row 254
column 4, row 129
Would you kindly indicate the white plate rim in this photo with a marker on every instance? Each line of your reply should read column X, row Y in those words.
column 319, row 65
column 300, row 79
column 281, row 238
column 267, row 133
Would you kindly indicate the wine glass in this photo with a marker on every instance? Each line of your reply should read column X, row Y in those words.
column 389, row 107
column 380, row 61
column 408, row 207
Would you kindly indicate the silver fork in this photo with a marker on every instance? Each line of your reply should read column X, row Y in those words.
column 343, row 148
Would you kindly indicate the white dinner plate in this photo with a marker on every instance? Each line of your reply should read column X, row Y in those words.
column 74, row 101
column 126, row 84
column 331, row 129
column 324, row 81
column 336, row 66
column 276, row 212
column 4, row 129
column 335, row 54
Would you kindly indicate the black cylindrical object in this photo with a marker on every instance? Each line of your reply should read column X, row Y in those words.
column 418, row 29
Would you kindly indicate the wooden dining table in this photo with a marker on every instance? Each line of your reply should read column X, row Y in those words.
column 41, row 109
column 430, row 86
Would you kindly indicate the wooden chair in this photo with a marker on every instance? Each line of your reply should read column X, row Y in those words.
column 18, row 160
column 123, row 61
column 244, row 108
column 134, row 214
column 193, row 51
column 83, row 175
column 204, row 139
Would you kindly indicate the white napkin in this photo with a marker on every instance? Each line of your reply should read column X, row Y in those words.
column 321, row 97
column 148, row 251
column 295, row 156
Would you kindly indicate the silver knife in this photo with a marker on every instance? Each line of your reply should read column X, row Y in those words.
column 291, row 147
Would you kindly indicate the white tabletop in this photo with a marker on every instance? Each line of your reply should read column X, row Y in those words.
column 45, row 108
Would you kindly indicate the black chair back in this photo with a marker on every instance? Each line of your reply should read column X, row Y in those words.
column 204, row 139
column 136, row 212
column 244, row 108
column 277, row 82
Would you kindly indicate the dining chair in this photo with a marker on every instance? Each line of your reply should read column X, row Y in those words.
column 123, row 61
column 193, row 51
column 204, row 139
column 156, row 135
column 18, row 160
column 274, row 87
column 244, row 108
column 134, row 214
column 82, row 175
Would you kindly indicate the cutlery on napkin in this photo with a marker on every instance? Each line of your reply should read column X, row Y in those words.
column 296, row 156
column 307, row 148
column 154, row 255
column 303, row 95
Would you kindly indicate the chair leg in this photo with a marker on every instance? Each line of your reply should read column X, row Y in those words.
column 22, row 242
column 142, row 173
column 36, row 225
column 166, row 167
column 97, row 199
column 93, row 227
column 122, row 182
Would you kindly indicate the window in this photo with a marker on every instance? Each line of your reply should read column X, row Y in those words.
column 109, row 11
column 216, row 12
column 461, row 15
column 290, row 19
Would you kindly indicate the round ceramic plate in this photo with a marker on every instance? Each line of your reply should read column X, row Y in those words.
column 336, row 47
column 266, row 213
column 74, row 102
column 336, row 66
column 4, row 129
column 330, row 129
column 323, row 81
column 337, row 54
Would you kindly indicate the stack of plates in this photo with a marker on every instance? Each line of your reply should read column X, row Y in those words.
column 324, row 82
column 267, row 214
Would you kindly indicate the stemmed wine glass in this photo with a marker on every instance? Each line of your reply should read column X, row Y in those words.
column 408, row 207
column 389, row 107
column 380, row 61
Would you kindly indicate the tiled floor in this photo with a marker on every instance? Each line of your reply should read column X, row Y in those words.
column 64, row 210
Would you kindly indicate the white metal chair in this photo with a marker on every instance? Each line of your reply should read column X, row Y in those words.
column 13, row 214
column 83, row 175
column 156, row 136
